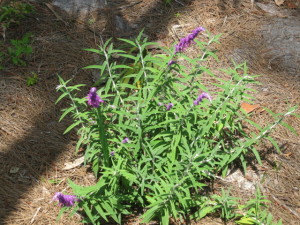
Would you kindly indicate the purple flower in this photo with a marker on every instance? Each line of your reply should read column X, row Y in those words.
column 187, row 41
column 65, row 200
column 171, row 62
column 160, row 104
column 112, row 153
column 93, row 98
column 200, row 98
column 169, row 106
column 196, row 102
column 125, row 140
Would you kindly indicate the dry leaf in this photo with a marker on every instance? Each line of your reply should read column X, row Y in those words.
column 14, row 169
column 288, row 154
column 279, row 2
column 248, row 107
column 71, row 165
column 291, row 5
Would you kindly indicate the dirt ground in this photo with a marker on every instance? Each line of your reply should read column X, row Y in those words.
column 33, row 150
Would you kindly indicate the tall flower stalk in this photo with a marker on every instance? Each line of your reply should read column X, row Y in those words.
column 94, row 100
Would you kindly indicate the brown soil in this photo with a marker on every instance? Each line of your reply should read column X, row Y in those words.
column 32, row 148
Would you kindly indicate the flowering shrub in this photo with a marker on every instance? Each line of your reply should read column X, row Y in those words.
column 156, row 146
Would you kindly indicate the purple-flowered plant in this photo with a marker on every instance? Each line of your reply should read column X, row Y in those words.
column 112, row 153
column 169, row 106
column 200, row 98
column 125, row 140
column 65, row 200
column 187, row 41
column 93, row 98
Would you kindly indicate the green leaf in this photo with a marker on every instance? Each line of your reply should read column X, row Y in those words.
column 88, row 211
column 93, row 50
column 165, row 217
column 66, row 112
column 79, row 142
column 129, row 176
column 289, row 127
column 257, row 156
column 274, row 143
column 246, row 221
column 99, row 210
column 204, row 211
column 111, row 211
column 61, row 97
column 121, row 67
column 134, row 58
column 95, row 67
column 61, row 211
column 72, row 126
column 84, row 191
column 128, row 41
column 150, row 213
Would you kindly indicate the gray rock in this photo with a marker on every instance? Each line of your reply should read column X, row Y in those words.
column 79, row 6
column 278, row 46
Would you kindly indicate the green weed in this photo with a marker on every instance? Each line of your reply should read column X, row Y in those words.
column 30, row 81
column 20, row 49
column 14, row 12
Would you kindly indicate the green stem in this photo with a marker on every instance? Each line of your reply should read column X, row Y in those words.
column 103, row 138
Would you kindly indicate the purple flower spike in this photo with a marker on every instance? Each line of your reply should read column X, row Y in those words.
column 93, row 98
column 65, row 200
column 112, row 153
column 200, row 98
column 187, row 41
column 169, row 106
column 171, row 62
column 204, row 95
column 125, row 140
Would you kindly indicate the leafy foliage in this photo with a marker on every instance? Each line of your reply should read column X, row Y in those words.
column 175, row 146
column 19, row 49
column 14, row 12
column 227, row 204
column 32, row 80
column 256, row 212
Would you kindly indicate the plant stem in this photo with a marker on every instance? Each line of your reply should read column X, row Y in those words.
column 111, row 76
column 102, row 137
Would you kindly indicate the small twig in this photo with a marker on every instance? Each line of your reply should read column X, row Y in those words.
column 179, row 2
column 50, row 7
column 267, row 191
column 285, row 206
column 225, row 19
column 36, row 212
